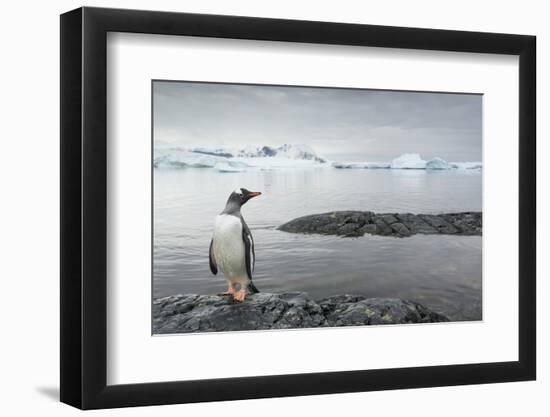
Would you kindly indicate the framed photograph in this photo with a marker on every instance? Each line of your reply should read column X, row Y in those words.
column 257, row 207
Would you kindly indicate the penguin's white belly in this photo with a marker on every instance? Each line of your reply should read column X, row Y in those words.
column 229, row 249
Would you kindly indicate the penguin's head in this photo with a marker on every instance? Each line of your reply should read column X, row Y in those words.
column 241, row 195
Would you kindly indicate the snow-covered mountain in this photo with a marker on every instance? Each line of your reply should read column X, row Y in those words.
column 286, row 151
column 234, row 160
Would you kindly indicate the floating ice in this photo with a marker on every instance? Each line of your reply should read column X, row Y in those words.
column 408, row 161
column 285, row 157
column 466, row 165
column 180, row 158
column 437, row 163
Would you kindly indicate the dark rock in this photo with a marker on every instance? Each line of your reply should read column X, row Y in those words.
column 382, row 227
column 268, row 151
column 388, row 218
column 368, row 228
column 353, row 310
column 209, row 313
column 190, row 313
column 357, row 223
column 350, row 229
column 416, row 223
column 439, row 223
column 467, row 223
column 213, row 153
column 400, row 229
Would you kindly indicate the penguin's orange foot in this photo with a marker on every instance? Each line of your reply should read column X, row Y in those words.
column 230, row 291
column 239, row 295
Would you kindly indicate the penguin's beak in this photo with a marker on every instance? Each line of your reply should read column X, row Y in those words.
column 252, row 194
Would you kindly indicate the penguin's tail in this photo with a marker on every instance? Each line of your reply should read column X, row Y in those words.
column 252, row 288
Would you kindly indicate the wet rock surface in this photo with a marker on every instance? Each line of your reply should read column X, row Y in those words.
column 210, row 313
column 358, row 223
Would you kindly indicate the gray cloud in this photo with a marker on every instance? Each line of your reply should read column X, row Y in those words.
column 341, row 124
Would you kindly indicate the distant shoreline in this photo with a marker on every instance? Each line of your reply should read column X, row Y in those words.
column 289, row 156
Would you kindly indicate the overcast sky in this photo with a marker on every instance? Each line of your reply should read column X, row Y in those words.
column 340, row 124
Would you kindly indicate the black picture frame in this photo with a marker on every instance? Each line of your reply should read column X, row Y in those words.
column 84, row 207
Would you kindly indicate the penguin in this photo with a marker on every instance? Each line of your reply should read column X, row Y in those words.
column 232, row 246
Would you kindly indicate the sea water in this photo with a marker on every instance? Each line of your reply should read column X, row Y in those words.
column 442, row 272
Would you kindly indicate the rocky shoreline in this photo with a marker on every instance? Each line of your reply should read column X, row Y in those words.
column 358, row 223
column 211, row 313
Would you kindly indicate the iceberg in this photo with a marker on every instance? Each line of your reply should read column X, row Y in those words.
column 437, row 163
column 466, row 165
column 180, row 158
column 408, row 161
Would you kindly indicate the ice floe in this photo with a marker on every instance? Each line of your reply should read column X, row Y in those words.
column 410, row 161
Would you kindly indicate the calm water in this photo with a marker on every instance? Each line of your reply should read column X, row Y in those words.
column 442, row 272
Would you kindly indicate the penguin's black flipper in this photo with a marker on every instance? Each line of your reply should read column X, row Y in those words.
column 249, row 255
column 213, row 266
